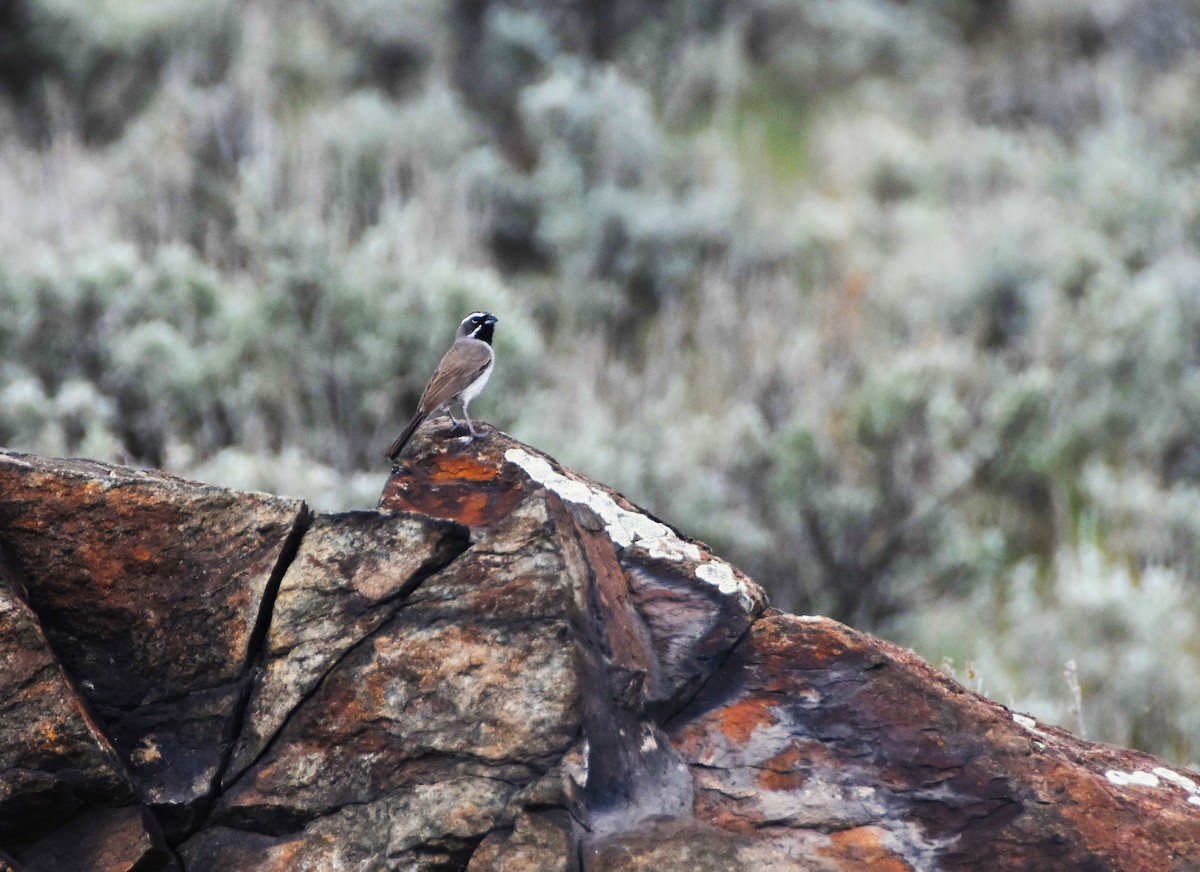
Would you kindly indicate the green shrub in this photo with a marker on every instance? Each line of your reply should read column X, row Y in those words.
column 905, row 327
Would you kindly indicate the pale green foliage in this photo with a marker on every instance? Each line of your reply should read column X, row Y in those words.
column 1123, row 630
column 895, row 304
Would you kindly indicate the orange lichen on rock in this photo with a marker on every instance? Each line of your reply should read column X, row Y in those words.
column 471, row 509
column 784, row 771
column 445, row 478
column 862, row 848
column 462, row 467
column 739, row 720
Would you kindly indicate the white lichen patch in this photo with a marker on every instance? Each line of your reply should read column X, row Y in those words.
column 625, row 527
column 1175, row 778
column 1154, row 778
column 1124, row 779
column 1188, row 784
column 671, row 548
column 719, row 573
column 1031, row 725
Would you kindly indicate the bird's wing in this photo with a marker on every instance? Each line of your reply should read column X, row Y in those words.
column 464, row 362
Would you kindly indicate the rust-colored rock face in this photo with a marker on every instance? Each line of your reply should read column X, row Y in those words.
column 844, row 747
column 507, row 667
column 149, row 589
column 54, row 757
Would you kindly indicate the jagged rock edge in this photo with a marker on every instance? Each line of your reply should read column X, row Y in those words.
column 719, row 662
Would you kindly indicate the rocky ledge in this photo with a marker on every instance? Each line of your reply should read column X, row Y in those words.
column 505, row 667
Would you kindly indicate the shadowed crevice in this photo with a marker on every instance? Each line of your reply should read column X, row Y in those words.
column 254, row 655
column 291, row 546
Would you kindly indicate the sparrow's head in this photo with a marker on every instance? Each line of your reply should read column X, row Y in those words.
column 478, row 325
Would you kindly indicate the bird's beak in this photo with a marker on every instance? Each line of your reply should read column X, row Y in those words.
column 492, row 319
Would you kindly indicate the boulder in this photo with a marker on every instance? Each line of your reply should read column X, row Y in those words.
column 150, row 589
column 505, row 667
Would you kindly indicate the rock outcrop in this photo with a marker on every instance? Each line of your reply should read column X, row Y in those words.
column 506, row 667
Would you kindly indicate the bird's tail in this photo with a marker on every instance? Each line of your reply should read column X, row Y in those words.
column 393, row 453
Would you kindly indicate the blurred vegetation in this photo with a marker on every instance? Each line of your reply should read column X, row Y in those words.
column 897, row 304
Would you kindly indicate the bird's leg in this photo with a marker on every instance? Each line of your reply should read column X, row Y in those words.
column 470, row 426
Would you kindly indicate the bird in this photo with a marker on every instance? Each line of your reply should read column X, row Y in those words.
column 460, row 376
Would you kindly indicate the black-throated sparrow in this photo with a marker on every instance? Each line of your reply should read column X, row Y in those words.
column 460, row 376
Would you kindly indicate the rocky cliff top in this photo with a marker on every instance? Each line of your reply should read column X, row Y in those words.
column 506, row 667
